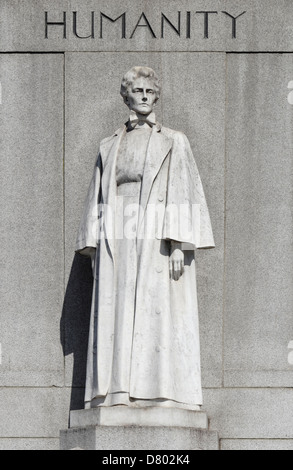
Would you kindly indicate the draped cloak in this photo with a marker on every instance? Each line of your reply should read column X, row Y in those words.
column 165, row 357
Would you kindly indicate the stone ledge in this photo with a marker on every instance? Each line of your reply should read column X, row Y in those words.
column 138, row 438
column 128, row 416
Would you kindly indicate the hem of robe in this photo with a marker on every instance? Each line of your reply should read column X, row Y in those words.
column 123, row 398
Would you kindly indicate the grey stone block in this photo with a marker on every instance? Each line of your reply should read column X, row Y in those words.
column 29, row 444
column 31, row 207
column 138, row 438
column 250, row 413
column 94, row 110
column 256, row 444
column 265, row 26
column 259, row 236
column 33, row 413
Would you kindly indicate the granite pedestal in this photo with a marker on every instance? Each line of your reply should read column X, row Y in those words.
column 123, row 428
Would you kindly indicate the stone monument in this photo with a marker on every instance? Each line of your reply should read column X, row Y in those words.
column 144, row 217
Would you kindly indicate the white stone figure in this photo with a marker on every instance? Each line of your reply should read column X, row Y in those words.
column 144, row 217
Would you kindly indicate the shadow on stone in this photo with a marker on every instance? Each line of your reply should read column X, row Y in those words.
column 74, row 325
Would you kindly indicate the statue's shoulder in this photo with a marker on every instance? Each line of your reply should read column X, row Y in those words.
column 107, row 140
column 172, row 134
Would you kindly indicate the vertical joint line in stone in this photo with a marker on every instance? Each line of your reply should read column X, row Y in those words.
column 162, row 79
column 225, row 221
column 63, row 169
column 63, row 202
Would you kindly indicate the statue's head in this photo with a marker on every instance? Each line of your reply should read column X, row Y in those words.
column 140, row 89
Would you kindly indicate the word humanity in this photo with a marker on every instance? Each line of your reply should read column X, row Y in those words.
column 143, row 22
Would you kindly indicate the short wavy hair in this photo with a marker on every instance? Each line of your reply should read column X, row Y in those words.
column 137, row 72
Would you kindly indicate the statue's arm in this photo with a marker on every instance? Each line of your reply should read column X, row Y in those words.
column 89, row 229
column 192, row 229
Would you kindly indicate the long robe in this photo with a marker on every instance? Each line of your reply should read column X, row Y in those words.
column 165, row 356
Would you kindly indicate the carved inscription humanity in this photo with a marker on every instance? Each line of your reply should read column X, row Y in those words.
column 183, row 26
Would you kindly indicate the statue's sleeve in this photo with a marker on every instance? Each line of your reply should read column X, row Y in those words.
column 88, row 233
column 187, row 218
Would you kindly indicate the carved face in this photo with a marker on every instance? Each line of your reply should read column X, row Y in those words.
column 141, row 96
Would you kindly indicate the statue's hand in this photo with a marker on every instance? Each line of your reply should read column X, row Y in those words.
column 176, row 261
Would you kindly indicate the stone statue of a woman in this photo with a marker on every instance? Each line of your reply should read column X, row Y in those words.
column 144, row 217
